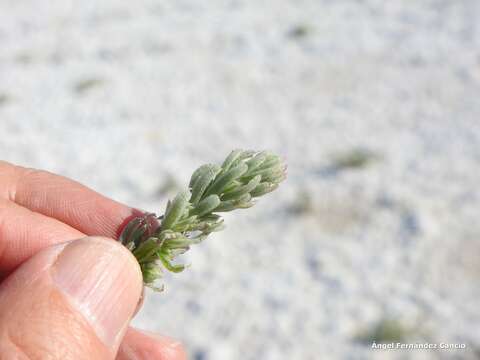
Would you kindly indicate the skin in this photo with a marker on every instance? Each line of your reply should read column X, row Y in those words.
column 67, row 289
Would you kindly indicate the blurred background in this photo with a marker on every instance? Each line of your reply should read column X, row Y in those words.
column 374, row 237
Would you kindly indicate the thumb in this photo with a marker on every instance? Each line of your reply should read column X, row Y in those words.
column 70, row 301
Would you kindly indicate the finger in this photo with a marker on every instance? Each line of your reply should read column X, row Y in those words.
column 64, row 199
column 140, row 345
column 70, row 301
column 23, row 233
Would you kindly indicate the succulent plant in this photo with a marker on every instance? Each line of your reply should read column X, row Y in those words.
column 194, row 213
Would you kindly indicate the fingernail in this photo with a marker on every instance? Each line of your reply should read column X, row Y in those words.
column 102, row 281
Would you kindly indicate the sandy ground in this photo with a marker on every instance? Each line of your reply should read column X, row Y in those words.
column 375, row 105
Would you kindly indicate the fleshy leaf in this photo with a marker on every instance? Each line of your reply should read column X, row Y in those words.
column 207, row 205
column 225, row 179
column 200, row 184
column 175, row 210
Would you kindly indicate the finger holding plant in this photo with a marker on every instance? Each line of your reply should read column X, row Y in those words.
column 194, row 213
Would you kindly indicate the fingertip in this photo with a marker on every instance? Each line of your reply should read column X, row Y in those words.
column 142, row 345
column 103, row 281
column 67, row 201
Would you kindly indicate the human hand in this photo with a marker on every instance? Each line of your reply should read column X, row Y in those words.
column 67, row 290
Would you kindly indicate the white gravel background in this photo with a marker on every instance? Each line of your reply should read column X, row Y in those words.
column 124, row 96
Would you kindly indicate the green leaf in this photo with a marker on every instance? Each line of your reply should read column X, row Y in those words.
column 265, row 172
column 278, row 178
column 188, row 219
column 212, row 217
column 245, row 189
column 207, row 205
column 230, row 205
column 246, row 205
column 263, row 188
column 196, row 174
column 171, row 267
column 175, row 210
column 234, row 155
column 146, row 249
column 151, row 271
column 213, row 227
column 182, row 242
column 226, row 206
column 243, row 156
column 233, row 185
column 272, row 159
column 274, row 176
column 223, row 180
column 256, row 161
column 202, row 181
